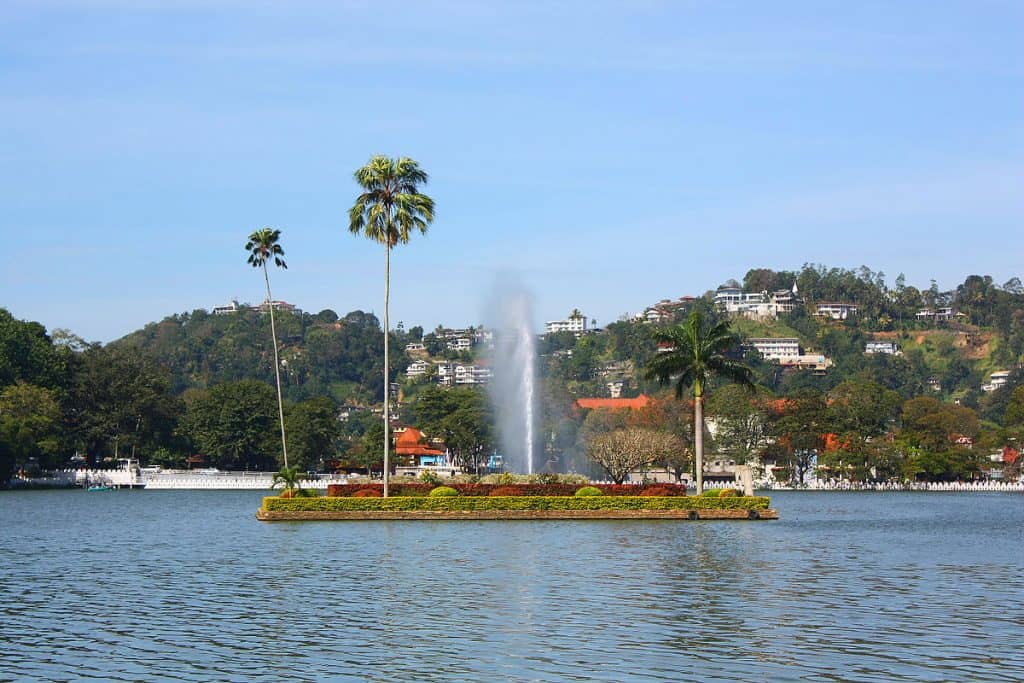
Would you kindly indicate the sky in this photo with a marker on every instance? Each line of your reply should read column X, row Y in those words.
column 604, row 154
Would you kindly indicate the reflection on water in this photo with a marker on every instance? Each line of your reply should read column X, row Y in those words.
column 178, row 585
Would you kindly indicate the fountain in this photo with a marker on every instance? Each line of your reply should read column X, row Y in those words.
column 513, row 388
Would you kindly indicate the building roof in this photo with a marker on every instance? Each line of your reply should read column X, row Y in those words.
column 641, row 401
column 410, row 442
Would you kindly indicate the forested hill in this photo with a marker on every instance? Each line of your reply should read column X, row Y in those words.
column 321, row 354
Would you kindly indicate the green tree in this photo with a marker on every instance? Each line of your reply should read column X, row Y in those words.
column 290, row 479
column 692, row 355
column 30, row 427
column 233, row 424
column 315, row 430
column 742, row 421
column 263, row 246
column 120, row 400
column 798, row 432
column 388, row 211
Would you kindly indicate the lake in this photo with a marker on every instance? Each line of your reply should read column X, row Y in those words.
column 188, row 586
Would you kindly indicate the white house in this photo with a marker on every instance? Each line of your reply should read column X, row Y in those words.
column 886, row 347
column 227, row 308
column 472, row 374
column 776, row 348
column 836, row 311
column 417, row 368
column 574, row 323
column 460, row 344
column 996, row 380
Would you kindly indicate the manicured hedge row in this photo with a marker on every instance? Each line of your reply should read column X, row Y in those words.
column 423, row 489
column 401, row 503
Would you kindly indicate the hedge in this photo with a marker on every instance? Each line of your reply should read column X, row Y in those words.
column 401, row 503
column 423, row 489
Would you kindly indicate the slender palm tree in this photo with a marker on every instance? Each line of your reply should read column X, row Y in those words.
column 692, row 354
column 388, row 211
column 262, row 247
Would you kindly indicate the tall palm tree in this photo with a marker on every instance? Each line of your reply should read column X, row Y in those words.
column 693, row 353
column 390, row 208
column 262, row 247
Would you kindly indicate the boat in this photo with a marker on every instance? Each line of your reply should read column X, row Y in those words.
column 100, row 487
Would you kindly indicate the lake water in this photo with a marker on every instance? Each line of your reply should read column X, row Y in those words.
column 188, row 586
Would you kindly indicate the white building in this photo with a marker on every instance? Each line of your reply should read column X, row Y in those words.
column 460, row 344
column 472, row 374
column 836, row 311
column 755, row 305
column 886, row 347
column 776, row 348
column 576, row 324
column 445, row 374
column 996, row 380
column 943, row 314
column 417, row 368
column 415, row 347
column 227, row 308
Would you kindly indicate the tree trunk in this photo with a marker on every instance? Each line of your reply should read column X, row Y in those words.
column 698, row 438
column 277, row 365
column 387, row 383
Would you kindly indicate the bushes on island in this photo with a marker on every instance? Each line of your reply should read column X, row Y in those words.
column 588, row 491
column 410, row 489
column 456, row 503
column 443, row 492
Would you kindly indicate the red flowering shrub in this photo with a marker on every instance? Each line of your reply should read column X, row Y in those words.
column 506, row 491
column 658, row 491
column 367, row 493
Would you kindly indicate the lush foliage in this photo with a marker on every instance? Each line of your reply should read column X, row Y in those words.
column 516, row 503
column 476, row 489
column 588, row 491
column 442, row 492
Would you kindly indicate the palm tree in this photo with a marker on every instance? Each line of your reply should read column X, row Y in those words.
column 262, row 247
column 388, row 211
column 291, row 479
column 693, row 353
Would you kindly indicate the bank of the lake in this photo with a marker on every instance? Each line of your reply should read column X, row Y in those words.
column 188, row 585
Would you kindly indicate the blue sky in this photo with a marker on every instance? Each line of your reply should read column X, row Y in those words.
column 609, row 154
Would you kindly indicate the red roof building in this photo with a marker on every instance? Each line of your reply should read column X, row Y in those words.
column 410, row 444
column 641, row 401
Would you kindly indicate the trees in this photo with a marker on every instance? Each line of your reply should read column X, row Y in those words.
column 693, row 354
column 742, row 421
column 30, row 427
column 390, row 208
column 232, row 423
column 799, row 432
column 624, row 450
column 315, row 430
column 262, row 247
column 460, row 416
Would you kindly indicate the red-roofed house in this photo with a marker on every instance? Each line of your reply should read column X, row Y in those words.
column 641, row 401
column 410, row 444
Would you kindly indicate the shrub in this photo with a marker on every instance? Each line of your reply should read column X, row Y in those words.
column 398, row 503
column 658, row 491
column 506, row 491
column 588, row 491
column 728, row 493
column 430, row 478
column 443, row 492
column 712, row 493
column 367, row 493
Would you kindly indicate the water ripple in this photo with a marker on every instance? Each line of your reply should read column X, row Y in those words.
column 187, row 586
